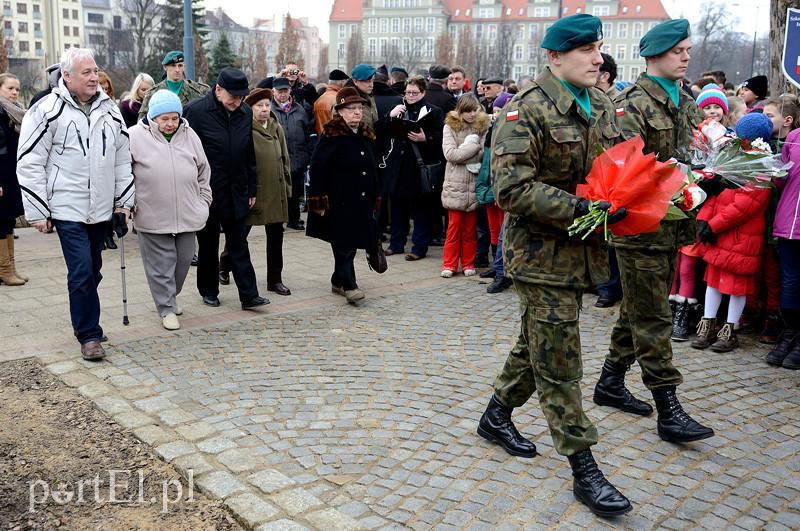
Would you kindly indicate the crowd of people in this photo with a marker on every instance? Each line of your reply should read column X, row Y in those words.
column 488, row 170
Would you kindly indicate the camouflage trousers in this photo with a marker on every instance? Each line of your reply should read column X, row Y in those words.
column 643, row 330
column 547, row 359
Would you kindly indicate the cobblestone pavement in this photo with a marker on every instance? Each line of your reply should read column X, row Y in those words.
column 321, row 415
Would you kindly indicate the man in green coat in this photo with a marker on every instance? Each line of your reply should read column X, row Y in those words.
column 175, row 82
column 656, row 109
column 543, row 146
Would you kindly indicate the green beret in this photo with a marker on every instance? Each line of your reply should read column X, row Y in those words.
column 570, row 32
column 362, row 72
column 663, row 37
column 398, row 69
column 175, row 56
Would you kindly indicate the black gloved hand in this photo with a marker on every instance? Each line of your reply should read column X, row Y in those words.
column 713, row 186
column 583, row 205
column 120, row 224
column 704, row 233
column 618, row 216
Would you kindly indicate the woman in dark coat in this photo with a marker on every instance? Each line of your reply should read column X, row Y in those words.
column 402, row 176
column 342, row 190
column 11, row 114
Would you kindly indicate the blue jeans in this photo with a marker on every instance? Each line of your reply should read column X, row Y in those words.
column 499, row 272
column 789, row 253
column 82, row 246
column 612, row 289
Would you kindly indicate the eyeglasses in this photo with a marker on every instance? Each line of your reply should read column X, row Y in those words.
column 413, row 93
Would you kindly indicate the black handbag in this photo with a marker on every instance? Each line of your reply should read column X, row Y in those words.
column 376, row 259
column 431, row 176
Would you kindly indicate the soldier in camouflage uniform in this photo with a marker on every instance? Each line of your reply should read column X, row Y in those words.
column 185, row 89
column 656, row 109
column 543, row 147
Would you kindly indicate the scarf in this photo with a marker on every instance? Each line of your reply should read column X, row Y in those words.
column 15, row 112
column 670, row 86
column 581, row 97
column 174, row 86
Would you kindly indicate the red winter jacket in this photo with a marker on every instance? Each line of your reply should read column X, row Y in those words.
column 737, row 218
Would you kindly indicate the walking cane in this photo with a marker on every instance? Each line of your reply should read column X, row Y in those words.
column 121, row 228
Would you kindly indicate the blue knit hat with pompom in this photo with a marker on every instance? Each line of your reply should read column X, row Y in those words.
column 754, row 125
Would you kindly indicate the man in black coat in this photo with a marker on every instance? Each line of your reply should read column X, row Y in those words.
column 223, row 123
column 386, row 99
column 437, row 93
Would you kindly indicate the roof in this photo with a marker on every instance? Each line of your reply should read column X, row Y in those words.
column 219, row 20
column 346, row 11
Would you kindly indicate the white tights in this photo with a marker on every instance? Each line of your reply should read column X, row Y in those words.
column 714, row 300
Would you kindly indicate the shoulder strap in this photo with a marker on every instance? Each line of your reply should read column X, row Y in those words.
column 420, row 162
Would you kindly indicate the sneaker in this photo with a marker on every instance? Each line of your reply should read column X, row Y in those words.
column 470, row 272
column 446, row 273
column 170, row 322
column 354, row 295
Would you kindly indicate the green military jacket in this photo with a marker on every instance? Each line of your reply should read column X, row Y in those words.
column 190, row 91
column 543, row 146
column 645, row 109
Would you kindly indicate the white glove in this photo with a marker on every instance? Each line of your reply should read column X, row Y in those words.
column 472, row 139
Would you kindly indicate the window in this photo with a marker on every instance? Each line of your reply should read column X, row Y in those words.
column 418, row 24
column 634, row 72
column 638, row 8
column 383, row 43
column 637, row 30
column 395, row 25
column 518, row 51
column 38, row 45
column 607, row 30
column 22, row 9
column 384, row 25
column 353, row 29
column 485, row 12
column 372, row 25
column 66, row 31
column 342, row 31
column 532, row 71
column 340, row 50
column 75, row 14
column 117, row 23
column 492, row 32
column 94, row 18
column 372, row 47
column 520, row 32
column 97, row 39
column 534, row 32
column 22, row 27
column 622, row 30
column 479, row 31
column 541, row 12
column 600, row 11
column 36, row 9
column 430, row 25
column 624, row 9
column 406, row 25
column 75, row 31
column 430, row 48
column 517, row 72
column 452, row 31
column 7, row 6
column 65, row 13
column 7, row 24
column 406, row 46
column 635, row 51
column 621, row 73
column 395, row 44
column 24, row 46
column 620, row 52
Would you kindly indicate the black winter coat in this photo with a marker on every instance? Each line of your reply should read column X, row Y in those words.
column 437, row 95
column 11, row 200
column 343, row 183
column 401, row 175
column 298, row 127
column 227, row 140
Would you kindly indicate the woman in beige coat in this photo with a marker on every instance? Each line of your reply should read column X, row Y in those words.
column 462, row 143
column 171, row 174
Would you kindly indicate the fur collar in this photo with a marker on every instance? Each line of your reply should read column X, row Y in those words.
column 337, row 127
column 480, row 125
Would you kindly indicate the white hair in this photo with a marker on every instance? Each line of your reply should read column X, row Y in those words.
column 141, row 78
column 72, row 56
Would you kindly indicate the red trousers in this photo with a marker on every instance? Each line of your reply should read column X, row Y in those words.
column 461, row 241
column 495, row 216
column 768, row 282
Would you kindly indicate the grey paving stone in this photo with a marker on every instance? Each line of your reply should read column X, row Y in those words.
column 219, row 484
column 270, row 481
column 332, row 519
column 296, row 501
column 171, row 450
column 251, row 508
column 282, row 525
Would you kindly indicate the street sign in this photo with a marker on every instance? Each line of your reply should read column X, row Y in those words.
column 791, row 47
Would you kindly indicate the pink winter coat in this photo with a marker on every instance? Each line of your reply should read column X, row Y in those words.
column 787, row 217
column 737, row 218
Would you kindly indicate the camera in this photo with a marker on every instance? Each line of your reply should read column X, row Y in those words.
column 294, row 71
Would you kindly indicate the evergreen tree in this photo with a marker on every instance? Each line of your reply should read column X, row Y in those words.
column 222, row 56
column 171, row 37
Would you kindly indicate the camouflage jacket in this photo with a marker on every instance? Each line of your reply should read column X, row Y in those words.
column 190, row 91
column 542, row 148
column 645, row 109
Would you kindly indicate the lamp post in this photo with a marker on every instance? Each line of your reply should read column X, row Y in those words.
column 188, row 40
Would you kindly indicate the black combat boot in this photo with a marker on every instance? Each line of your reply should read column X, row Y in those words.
column 611, row 391
column 592, row 489
column 785, row 342
column 680, row 322
column 674, row 424
column 496, row 426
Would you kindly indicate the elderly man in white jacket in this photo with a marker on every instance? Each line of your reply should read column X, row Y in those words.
column 74, row 169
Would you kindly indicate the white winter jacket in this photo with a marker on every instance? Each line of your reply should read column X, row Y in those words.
column 70, row 166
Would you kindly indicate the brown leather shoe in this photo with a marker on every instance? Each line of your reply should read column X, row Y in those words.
column 411, row 257
column 93, row 351
column 279, row 288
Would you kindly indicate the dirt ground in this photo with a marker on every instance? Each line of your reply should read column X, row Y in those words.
column 57, row 454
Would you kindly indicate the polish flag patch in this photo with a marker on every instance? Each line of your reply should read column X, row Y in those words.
column 620, row 111
column 512, row 116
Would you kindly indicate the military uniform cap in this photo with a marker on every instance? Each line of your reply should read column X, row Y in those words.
column 663, row 37
column 173, row 57
column 570, row 32
column 398, row 69
column 362, row 72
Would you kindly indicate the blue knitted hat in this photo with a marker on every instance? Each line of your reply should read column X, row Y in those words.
column 163, row 102
column 754, row 125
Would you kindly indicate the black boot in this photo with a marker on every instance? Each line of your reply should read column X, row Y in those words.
column 680, row 322
column 674, row 424
column 611, row 391
column 499, row 285
column 592, row 489
column 784, row 346
column 496, row 426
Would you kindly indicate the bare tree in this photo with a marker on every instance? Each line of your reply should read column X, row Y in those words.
column 444, row 49
column 3, row 50
column 138, row 53
column 322, row 63
column 354, row 50
column 465, row 54
column 289, row 46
